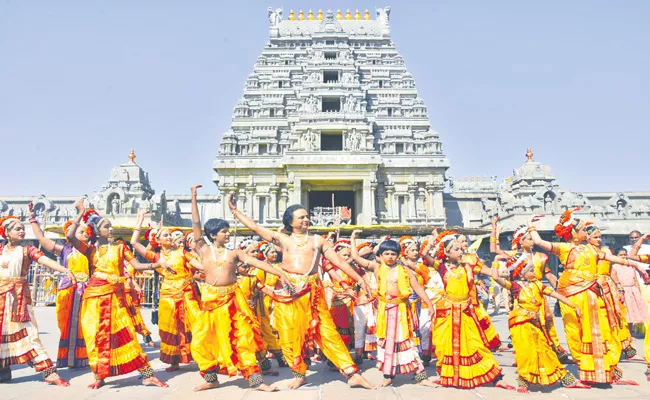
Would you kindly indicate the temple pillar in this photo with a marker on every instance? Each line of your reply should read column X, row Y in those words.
column 366, row 203
column 273, row 203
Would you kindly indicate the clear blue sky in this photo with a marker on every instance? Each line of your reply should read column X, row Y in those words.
column 82, row 82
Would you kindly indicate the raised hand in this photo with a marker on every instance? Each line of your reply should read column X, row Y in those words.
column 141, row 214
column 30, row 207
column 194, row 189
column 495, row 220
column 534, row 219
column 355, row 233
column 232, row 203
column 80, row 206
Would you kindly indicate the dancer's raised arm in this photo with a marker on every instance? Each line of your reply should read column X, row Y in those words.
column 272, row 236
column 47, row 244
column 71, row 234
column 537, row 239
column 494, row 238
column 135, row 238
column 196, row 221
column 354, row 253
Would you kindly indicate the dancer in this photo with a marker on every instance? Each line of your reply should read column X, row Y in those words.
column 264, row 308
column 225, row 334
column 179, row 299
column 365, row 310
column 435, row 290
column 590, row 337
column 108, row 329
column 21, row 343
column 342, row 298
column 523, row 245
column 72, row 347
column 535, row 355
column 301, row 316
column 397, row 352
column 250, row 281
column 464, row 358
column 644, row 258
column 633, row 309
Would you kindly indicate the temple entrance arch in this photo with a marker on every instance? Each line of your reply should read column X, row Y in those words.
column 319, row 203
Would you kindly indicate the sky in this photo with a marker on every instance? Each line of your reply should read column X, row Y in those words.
column 83, row 82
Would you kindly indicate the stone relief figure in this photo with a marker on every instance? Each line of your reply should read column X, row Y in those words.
column 318, row 56
column 548, row 202
column 347, row 78
column 314, row 77
column 310, row 105
column 309, row 140
column 351, row 104
column 275, row 16
column 354, row 140
column 383, row 16
column 115, row 205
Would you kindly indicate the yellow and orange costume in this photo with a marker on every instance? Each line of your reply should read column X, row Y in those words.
column 133, row 299
column 591, row 340
column 535, row 354
column 178, row 306
column 304, row 320
column 110, row 336
column 226, row 336
column 396, row 348
column 461, row 345
column 493, row 339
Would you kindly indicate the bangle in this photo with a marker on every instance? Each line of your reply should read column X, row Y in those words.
column 32, row 220
column 493, row 239
column 498, row 243
column 637, row 246
column 531, row 229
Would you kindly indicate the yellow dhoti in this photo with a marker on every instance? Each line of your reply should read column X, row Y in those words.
column 303, row 321
column 225, row 336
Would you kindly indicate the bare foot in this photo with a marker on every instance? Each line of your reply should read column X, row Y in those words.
column 522, row 389
column 502, row 385
column 153, row 381
column 97, row 384
column 55, row 379
column 503, row 348
column 625, row 382
column 426, row 382
column 578, row 385
column 437, row 382
column 266, row 388
column 151, row 344
column 635, row 358
column 386, row 382
column 206, row 386
column 172, row 368
column 357, row 380
column 370, row 357
column 296, row 383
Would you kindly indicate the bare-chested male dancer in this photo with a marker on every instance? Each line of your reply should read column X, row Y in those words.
column 223, row 334
column 301, row 314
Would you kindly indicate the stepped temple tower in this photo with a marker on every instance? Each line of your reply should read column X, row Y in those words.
column 330, row 112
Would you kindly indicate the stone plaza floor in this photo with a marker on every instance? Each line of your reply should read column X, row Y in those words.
column 323, row 384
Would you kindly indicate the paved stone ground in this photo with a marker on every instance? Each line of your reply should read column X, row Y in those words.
column 323, row 383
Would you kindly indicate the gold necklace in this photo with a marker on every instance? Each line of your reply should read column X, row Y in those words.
column 297, row 236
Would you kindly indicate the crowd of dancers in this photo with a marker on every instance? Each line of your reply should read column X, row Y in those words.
column 295, row 297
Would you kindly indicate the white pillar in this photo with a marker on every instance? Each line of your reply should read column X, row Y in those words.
column 366, row 207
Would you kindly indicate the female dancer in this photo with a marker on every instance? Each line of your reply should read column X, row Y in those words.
column 108, row 329
column 589, row 337
column 179, row 299
column 72, row 347
column 21, row 343
column 464, row 358
column 522, row 245
column 535, row 355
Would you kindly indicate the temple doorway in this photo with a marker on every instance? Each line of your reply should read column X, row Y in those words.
column 320, row 207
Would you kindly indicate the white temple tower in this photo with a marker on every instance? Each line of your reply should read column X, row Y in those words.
column 330, row 110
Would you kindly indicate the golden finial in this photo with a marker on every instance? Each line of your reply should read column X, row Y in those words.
column 466, row 179
column 301, row 16
column 310, row 16
column 529, row 155
column 357, row 16
column 320, row 15
column 339, row 16
column 348, row 15
column 472, row 179
column 132, row 156
column 485, row 179
column 366, row 15
column 292, row 16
